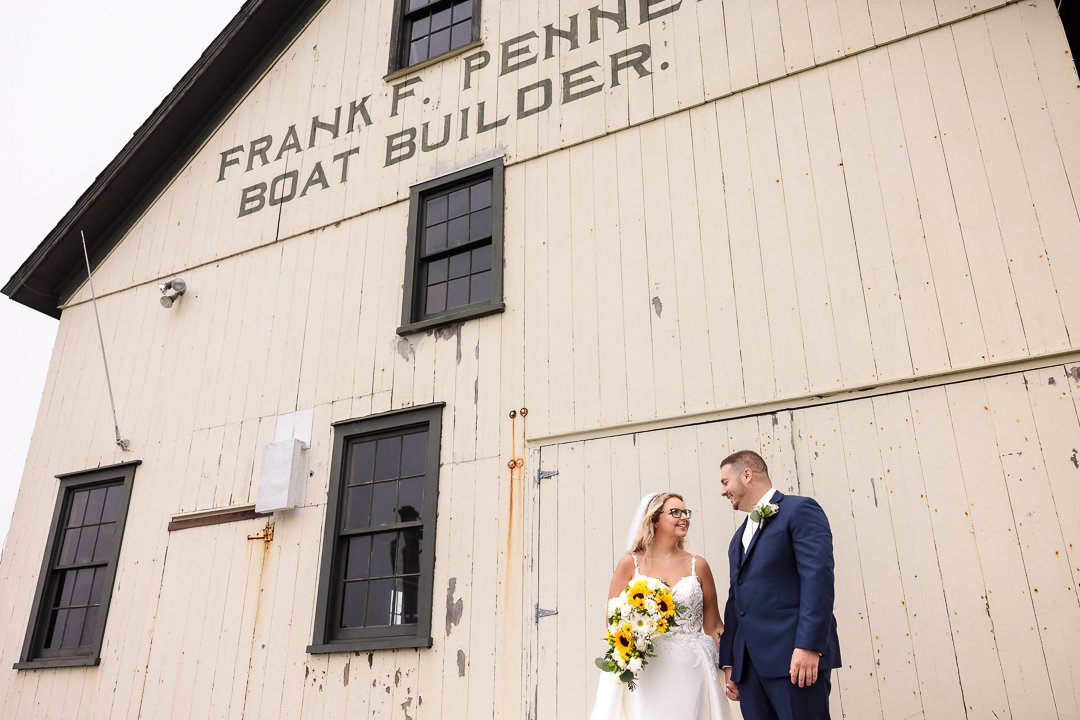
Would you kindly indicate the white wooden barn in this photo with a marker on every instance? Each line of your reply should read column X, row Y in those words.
column 463, row 278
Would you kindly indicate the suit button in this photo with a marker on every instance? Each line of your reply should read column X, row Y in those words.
column 742, row 613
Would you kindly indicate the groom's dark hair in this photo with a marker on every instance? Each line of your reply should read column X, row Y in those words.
column 746, row 459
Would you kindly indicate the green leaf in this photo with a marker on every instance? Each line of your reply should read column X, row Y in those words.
column 755, row 515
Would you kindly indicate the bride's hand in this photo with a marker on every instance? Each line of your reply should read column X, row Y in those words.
column 730, row 688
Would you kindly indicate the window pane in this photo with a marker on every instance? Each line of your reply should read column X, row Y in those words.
column 78, row 508
column 436, row 210
column 436, row 271
column 436, row 299
column 71, row 541
column 89, row 625
column 480, row 195
column 414, row 4
column 384, row 550
column 410, row 601
column 103, row 549
column 459, row 202
column 418, row 50
column 73, row 630
column 463, row 11
column 411, row 498
column 84, row 580
column 461, row 34
column 440, row 19
column 357, row 507
column 439, row 43
column 85, row 553
column 458, row 231
column 111, row 512
column 94, row 505
column 384, row 504
column 481, row 258
column 67, row 588
column 388, row 458
column 98, row 586
column 359, row 550
column 435, row 238
column 354, row 604
column 410, row 550
column 420, row 27
column 459, row 265
column 481, row 287
column 56, row 634
column 413, row 454
column 457, row 293
column 380, row 599
column 481, row 225
column 361, row 463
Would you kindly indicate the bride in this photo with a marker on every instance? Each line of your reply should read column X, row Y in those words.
column 681, row 680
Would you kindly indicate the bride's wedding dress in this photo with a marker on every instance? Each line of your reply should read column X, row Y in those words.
column 681, row 680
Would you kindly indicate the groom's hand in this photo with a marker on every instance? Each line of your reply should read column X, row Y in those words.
column 730, row 688
column 804, row 667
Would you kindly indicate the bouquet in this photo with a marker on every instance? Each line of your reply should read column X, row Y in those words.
column 635, row 617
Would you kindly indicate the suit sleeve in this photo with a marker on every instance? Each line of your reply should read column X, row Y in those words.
column 813, row 548
column 731, row 624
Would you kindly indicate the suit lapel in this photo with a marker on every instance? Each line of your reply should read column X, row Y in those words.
column 776, row 498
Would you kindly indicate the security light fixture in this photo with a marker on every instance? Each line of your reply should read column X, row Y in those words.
column 171, row 290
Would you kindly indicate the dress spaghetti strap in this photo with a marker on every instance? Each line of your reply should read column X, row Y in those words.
column 636, row 570
column 693, row 565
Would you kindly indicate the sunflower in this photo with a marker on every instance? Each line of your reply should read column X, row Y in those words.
column 624, row 641
column 665, row 604
column 637, row 593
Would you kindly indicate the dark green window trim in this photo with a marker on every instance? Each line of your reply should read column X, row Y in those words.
column 400, row 35
column 34, row 653
column 413, row 318
column 327, row 636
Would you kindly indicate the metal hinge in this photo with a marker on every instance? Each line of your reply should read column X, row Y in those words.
column 266, row 534
column 545, row 474
column 542, row 613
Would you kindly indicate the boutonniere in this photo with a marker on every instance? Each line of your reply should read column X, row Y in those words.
column 763, row 512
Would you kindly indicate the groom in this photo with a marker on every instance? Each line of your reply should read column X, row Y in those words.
column 779, row 640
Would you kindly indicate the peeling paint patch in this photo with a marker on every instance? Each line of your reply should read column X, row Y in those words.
column 657, row 306
column 476, row 391
column 405, row 349
column 1075, row 460
column 1074, row 373
column 370, row 659
column 461, row 663
column 397, row 677
column 454, row 608
column 476, row 351
column 1051, row 380
column 345, row 673
column 405, row 708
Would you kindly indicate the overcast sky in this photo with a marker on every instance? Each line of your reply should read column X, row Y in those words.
column 78, row 79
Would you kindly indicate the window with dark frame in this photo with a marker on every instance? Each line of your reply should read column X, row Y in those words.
column 376, row 577
column 426, row 29
column 454, row 263
column 67, row 622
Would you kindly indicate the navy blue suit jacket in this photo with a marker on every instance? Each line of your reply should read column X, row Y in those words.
column 782, row 592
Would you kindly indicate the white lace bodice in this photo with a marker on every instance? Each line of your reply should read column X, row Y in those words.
column 688, row 636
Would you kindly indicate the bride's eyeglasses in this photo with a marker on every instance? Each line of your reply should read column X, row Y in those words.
column 679, row 512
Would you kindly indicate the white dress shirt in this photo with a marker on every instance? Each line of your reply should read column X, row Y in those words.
column 751, row 526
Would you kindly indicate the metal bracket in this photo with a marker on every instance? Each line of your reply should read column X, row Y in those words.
column 545, row 474
column 542, row 613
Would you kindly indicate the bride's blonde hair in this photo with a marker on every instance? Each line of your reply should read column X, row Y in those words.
column 647, row 530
